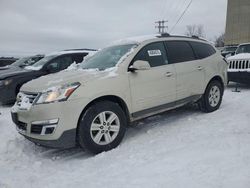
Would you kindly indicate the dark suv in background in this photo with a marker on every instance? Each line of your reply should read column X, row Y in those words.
column 11, row 82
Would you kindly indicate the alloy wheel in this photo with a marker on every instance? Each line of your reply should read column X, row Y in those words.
column 105, row 128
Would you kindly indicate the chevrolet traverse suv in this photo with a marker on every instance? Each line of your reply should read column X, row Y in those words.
column 92, row 105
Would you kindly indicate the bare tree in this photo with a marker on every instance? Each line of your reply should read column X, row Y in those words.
column 220, row 40
column 195, row 30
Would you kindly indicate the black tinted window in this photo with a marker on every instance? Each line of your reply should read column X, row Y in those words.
column 179, row 51
column 78, row 58
column 60, row 63
column 154, row 53
column 202, row 50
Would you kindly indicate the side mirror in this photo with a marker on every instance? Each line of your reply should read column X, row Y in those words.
column 139, row 65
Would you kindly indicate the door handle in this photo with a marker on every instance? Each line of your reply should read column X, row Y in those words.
column 169, row 74
column 199, row 68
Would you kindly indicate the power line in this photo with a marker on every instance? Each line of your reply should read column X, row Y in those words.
column 175, row 8
column 181, row 15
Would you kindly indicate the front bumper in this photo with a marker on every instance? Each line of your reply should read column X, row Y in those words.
column 63, row 135
column 66, row 140
column 240, row 77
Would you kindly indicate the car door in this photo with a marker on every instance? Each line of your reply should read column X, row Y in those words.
column 152, row 89
column 189, row 70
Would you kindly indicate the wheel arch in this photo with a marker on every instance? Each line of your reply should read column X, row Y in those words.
column 112, row 98
column 217, row 78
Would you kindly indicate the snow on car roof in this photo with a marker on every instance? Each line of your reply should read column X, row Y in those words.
column 134, row 40
column 140, row 39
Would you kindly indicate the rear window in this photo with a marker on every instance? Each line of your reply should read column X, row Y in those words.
column 202, row 50
column 179, row 51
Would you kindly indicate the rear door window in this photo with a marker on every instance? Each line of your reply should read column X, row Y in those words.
column 154, row 53
column 179, row 51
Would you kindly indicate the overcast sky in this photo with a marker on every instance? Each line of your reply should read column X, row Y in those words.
column 43, row 26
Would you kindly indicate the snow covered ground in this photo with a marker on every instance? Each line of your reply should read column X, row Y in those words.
column 181, row 148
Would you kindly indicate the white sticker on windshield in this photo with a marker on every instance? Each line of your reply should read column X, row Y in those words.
column 152, row 53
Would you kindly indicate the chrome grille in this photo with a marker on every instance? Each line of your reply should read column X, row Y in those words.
column 239, row 64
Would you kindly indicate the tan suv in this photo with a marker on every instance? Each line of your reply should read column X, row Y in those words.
column 91, row 105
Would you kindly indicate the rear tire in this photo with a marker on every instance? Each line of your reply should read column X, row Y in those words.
column 212, row 98
column 102, row 127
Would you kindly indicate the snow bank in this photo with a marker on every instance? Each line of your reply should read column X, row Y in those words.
column 181, row 148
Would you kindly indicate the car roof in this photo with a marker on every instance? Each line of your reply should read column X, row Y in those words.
column 244, row 44
column 64, row 52
column 156, row 37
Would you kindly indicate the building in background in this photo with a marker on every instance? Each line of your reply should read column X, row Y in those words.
column 238, row 22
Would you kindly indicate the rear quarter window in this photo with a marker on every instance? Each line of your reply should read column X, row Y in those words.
column 202, row 50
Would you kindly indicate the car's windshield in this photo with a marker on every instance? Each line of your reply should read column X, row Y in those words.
column 107, row 57
column 230, row 49
column 38, row 65
column 21, row 61
column 243, row 49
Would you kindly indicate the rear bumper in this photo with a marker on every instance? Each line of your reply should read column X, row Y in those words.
column 240, row 77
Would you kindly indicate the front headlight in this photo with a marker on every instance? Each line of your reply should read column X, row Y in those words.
column 60, row 93
column 5, row 82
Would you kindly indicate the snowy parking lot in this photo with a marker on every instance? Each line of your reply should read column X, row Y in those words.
column 181, row 148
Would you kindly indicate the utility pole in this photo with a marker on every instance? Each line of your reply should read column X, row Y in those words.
column 160, row 25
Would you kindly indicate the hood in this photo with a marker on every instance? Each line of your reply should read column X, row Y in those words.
column 66, row 77
column 243, row 56
column 11, row 71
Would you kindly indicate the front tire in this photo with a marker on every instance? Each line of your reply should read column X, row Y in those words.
column 212, row 98
column 102, row 127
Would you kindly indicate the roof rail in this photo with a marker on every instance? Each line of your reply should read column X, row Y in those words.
column 179, row 36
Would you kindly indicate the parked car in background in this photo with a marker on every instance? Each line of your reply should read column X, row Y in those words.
column 130, row 80
column 239, row 65
column 11, row 82
column 228, row 51
column 4, row 61
column 20, row 64
column 23, row 62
